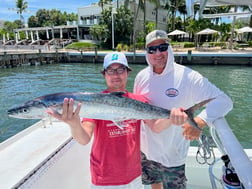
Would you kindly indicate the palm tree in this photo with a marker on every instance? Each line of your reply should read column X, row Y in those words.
column 182, row 11
column 174, row 6
column 21, row 7
column 142, row 6
column 157, row 4
column 101, row 3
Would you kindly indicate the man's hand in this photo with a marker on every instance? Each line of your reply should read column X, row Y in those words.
column 178, row 116
column 68, row 115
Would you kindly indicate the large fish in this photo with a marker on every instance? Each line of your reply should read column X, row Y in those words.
column 104, row 106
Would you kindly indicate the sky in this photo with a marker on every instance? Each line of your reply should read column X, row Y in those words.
column 34, row 5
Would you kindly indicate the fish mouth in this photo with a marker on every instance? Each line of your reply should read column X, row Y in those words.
column 24, row 111
column 14, row 112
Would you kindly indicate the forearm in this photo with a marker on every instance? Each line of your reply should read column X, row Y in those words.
column 79, row 134
column 190, row 133
column 200, row 122
column 217, row 108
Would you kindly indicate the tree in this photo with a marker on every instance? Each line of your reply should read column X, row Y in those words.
column 21, row 7
column 102, row 3
column 174, row 6
column 182, row 11
column 10, row 26
column 50, row 18
column 33, row 22
column 19, row 23
column 99, row 32
column 157, row 5
column 224, row 31
column 123, row 24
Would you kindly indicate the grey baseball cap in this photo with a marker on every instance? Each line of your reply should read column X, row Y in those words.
column 155, row 35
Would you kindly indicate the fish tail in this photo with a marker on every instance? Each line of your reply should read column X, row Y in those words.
column 190, row 113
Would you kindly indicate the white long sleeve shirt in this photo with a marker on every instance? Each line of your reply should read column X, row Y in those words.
column 177, row 86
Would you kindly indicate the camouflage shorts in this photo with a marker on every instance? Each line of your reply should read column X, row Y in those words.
column 171, row 177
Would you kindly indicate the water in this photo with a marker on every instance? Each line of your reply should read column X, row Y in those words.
column 24, row 83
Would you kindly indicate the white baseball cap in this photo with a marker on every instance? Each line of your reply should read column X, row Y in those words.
column 115, row 57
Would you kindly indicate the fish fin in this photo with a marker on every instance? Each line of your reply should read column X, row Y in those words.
column 119, row 94
column 53, row 110
column 190, row 113
column 118, row 124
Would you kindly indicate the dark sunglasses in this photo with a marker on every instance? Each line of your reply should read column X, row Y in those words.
column 153, row 49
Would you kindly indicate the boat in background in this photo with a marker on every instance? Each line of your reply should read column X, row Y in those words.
column 46, row 156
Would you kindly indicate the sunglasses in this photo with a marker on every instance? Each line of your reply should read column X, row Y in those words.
column 119, row 71
column 153, row 49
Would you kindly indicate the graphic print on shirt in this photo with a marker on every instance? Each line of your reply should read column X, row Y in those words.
column 172, row 92
column 128, row 129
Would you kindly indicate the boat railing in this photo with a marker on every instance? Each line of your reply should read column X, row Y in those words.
column 229, row 145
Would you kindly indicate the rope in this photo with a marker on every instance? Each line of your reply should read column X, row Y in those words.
column 205, row 153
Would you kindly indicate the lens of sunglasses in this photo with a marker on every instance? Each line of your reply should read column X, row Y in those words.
column 153, row 49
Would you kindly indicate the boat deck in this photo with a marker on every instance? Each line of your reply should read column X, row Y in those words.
column 28, row 153
column 33, row 157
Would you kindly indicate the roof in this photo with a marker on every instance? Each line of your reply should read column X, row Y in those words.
column 214, row 3
column 224, row 2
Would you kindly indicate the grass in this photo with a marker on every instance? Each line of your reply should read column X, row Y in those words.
column 81, row 46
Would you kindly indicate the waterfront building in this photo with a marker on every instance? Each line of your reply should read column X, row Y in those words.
column 89, row 16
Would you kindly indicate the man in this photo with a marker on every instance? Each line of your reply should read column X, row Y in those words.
column 167, row 84
column 115, row 156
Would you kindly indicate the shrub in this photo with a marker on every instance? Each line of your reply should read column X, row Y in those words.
column 140, row 45
column 119, row 47
column 189, row 45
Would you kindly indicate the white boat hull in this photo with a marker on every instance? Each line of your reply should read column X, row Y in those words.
column 45, row 156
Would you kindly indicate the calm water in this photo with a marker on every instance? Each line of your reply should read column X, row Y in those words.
column 21, row 84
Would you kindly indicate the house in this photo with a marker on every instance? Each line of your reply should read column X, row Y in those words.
column 89, row 15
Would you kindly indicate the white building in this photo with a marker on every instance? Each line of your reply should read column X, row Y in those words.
column 90, row 15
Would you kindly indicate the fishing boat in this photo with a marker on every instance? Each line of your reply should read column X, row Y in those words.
column 46, row 156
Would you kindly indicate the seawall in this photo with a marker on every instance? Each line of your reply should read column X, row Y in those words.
column 15, row 59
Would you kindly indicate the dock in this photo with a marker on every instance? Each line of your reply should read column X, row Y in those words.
column 10, row 59
column 17, row 59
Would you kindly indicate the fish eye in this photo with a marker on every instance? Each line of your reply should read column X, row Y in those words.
column 24, row 111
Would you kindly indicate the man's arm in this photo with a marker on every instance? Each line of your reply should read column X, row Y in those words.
column 190, row 133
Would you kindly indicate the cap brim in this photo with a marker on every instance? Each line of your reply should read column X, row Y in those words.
column 164, row 39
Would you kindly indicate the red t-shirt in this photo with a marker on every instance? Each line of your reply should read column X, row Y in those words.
column 115, row 154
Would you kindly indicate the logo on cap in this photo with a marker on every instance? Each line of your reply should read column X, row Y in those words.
column 114, row 57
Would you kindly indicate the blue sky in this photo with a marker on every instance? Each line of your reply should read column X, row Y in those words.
column 34, row 5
